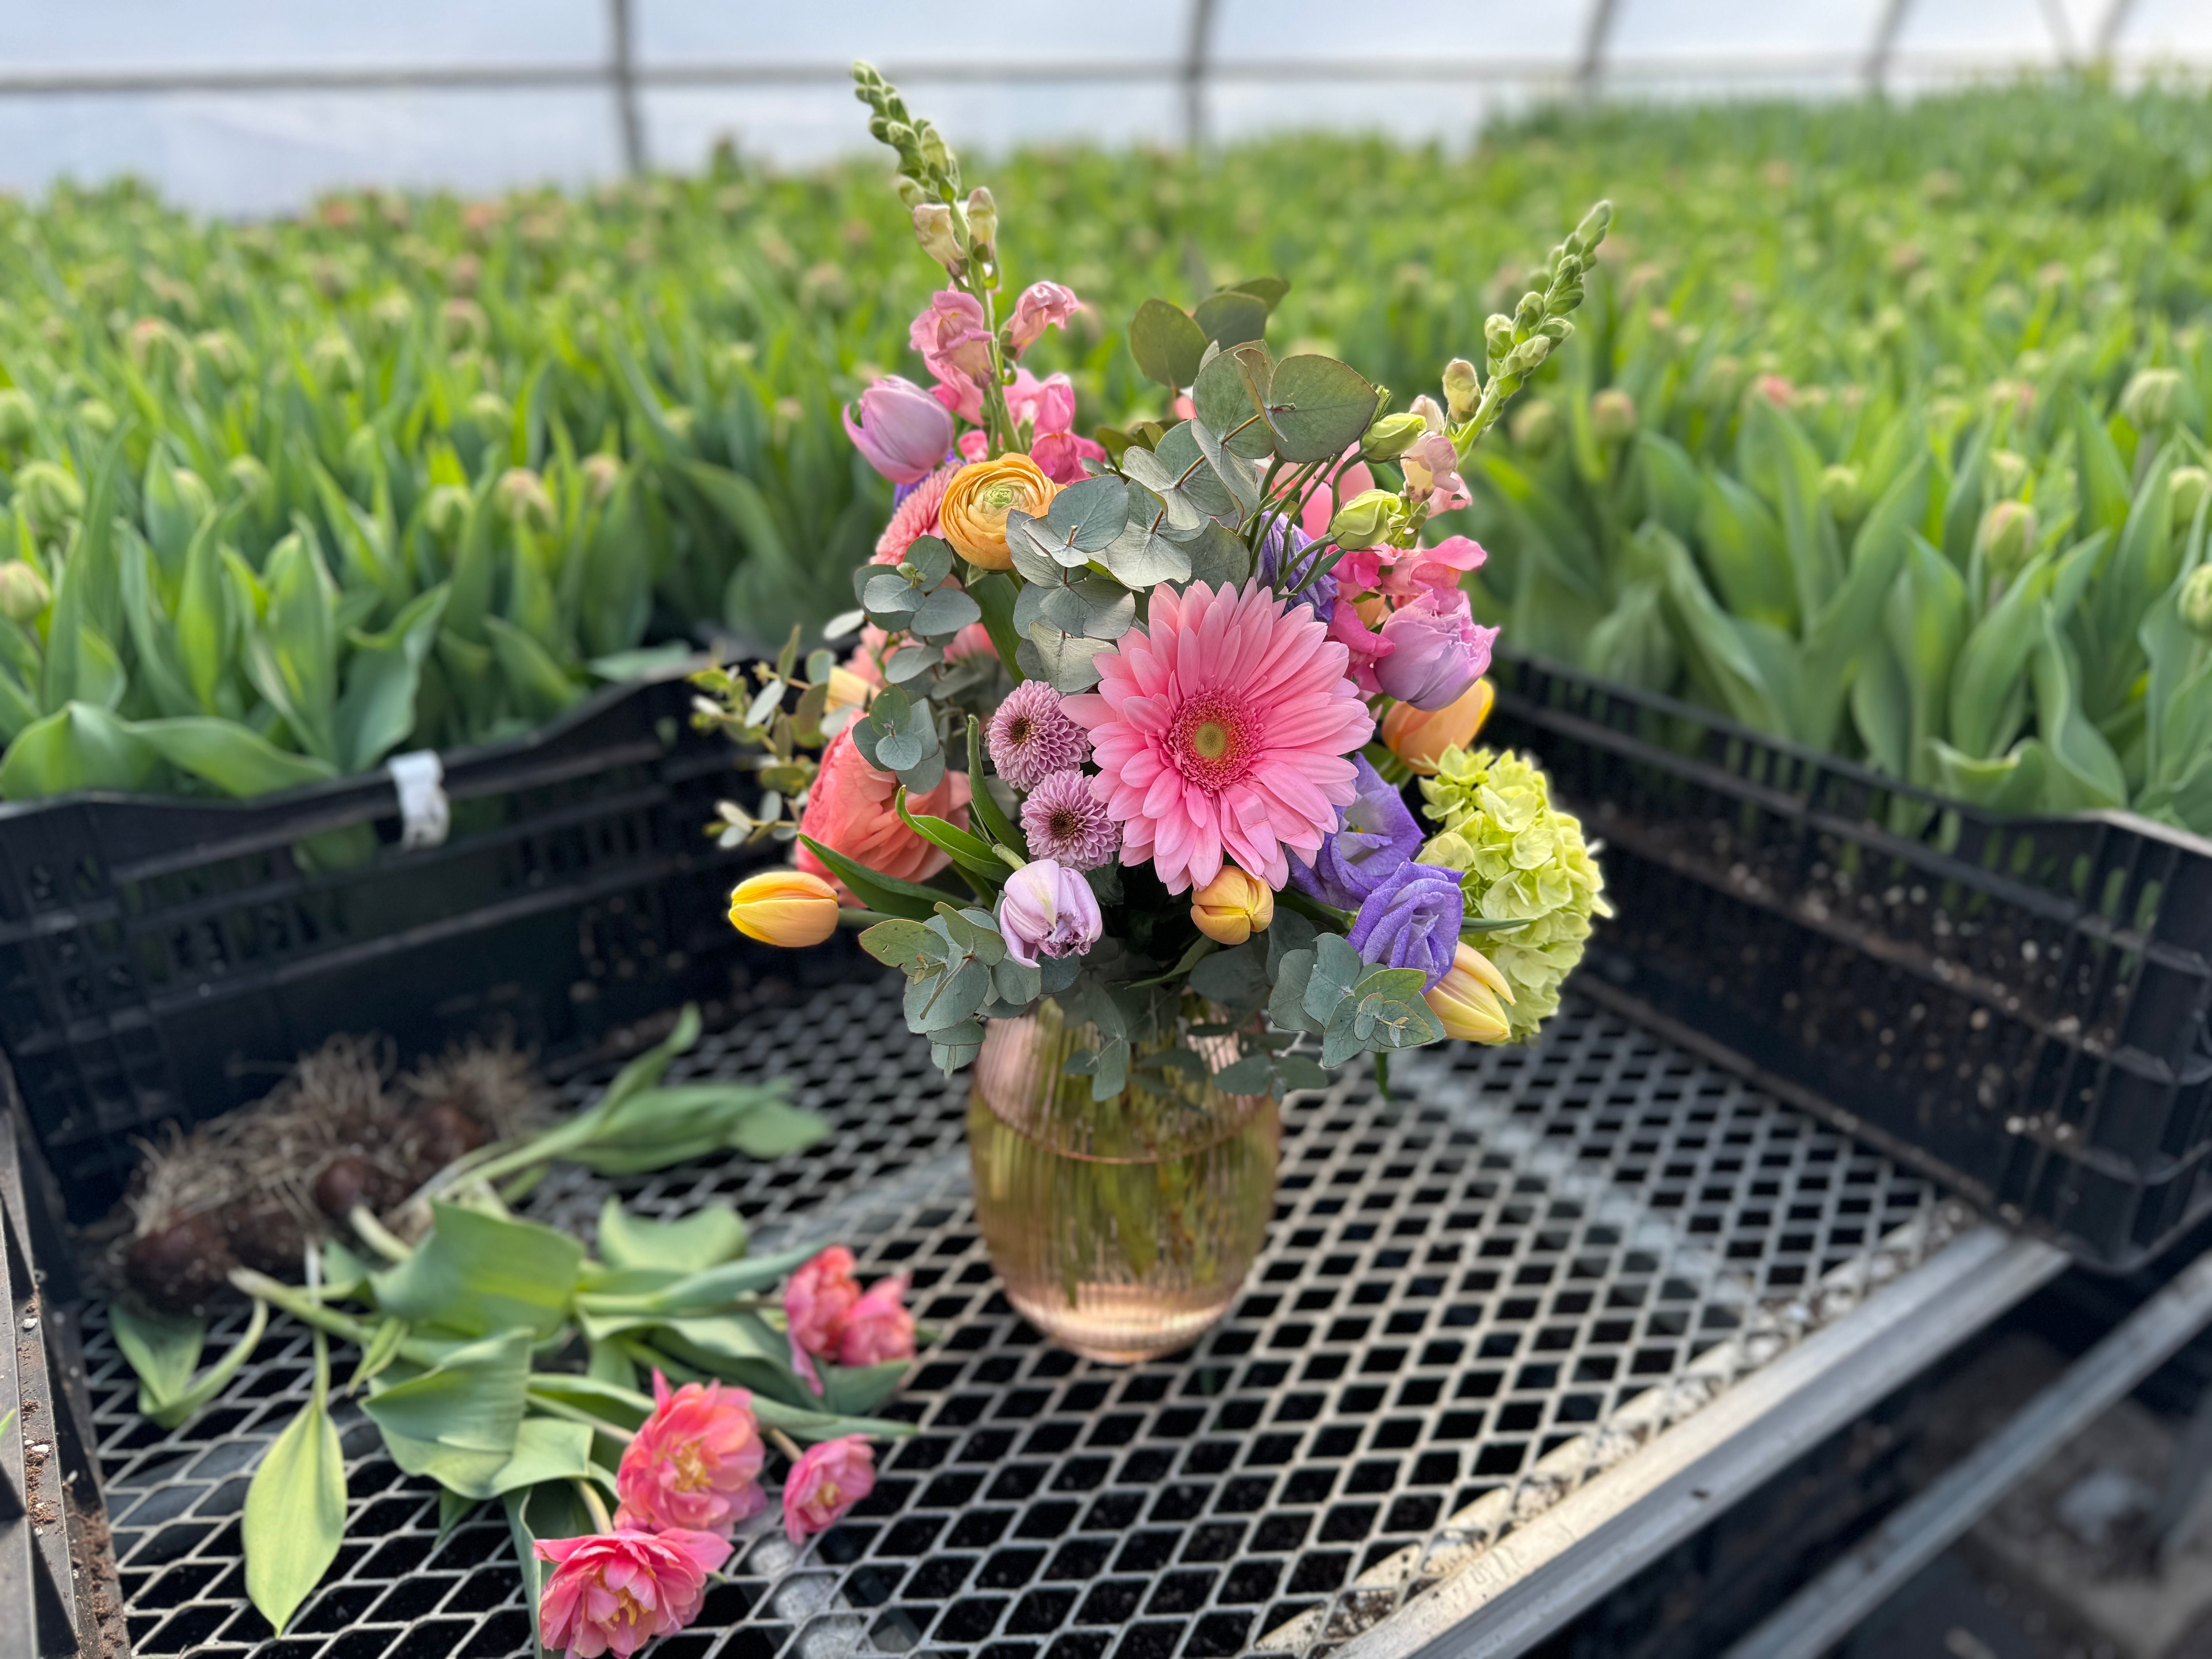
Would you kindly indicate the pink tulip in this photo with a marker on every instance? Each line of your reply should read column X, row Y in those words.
column 952, row 338
column 1042, row 305
column 693, row 1465
column 1049, row 908
column 824, row 1484
column 818, row 1300
column 902, row 432
column 880, row 1329
column 1437, row 651
column 614, row 1592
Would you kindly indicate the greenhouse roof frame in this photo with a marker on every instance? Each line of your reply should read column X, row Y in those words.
column 1594, row 68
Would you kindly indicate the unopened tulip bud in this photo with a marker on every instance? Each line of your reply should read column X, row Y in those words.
column 445, row 510
column 2009, row 470
column 521, row 496
column 933, row 229
column 602, row 472
column 2196, row 602
column 1421, row 736
column 192, row 492
column 1844, row 488
column 23, row 592
column 1462, row 391
column 787, row 907
column 2186, row 488
column 1535, row 427
column 1612, row 416
column 245, row 477
column 2153, row 399
column 1469, row 999
column 1368, row 519
column 1232, row 907
column 47, row 495
column 846, row 690
column 19, row 416
column 2006, row 538
column 1391, row 436
column 492, row 416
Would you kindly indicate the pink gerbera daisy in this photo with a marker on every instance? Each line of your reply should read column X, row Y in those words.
column 1222, row 728
column 914, row 517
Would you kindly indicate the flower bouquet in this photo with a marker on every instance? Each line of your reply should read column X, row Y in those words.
column 1115, row 774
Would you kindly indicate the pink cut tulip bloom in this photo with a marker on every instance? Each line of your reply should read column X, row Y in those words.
column 879, row 1328
column 614, row 1592
column 952, row 337
column 694, row 1464
column 819, row 1299
column 902, row 432
column 1042, row 305
column 825, row 1483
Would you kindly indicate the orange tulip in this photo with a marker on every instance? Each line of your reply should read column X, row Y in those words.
column 1232, row 907
column 1466, row 998
column 1419, row 739
column 788, row 907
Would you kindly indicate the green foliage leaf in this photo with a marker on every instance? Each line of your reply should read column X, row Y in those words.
column 477, row 1274
column 1318, row 407
column 1167, row 342
column 295, row 1507
column 702, row 1239
column 458, row 1422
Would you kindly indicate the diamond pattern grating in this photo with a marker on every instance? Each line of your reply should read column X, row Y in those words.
column 1473, row 1300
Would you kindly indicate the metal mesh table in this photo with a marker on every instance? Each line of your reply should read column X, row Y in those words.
column 1505, row 1293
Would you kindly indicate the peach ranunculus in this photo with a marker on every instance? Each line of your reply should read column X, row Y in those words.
column 849, row 809
column 973, row 514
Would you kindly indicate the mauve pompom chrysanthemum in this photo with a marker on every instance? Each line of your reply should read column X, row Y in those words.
column 1032, row 737
column 1221, row 730
column 1065, row 821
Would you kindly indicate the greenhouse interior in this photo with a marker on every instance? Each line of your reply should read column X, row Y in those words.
column 1228, row 832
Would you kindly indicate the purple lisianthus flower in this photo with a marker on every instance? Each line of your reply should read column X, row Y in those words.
column 1411, row 920
column 1319, row 594
column 1374, row 835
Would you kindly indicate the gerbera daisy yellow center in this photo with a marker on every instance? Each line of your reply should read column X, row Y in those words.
column 1211, row 742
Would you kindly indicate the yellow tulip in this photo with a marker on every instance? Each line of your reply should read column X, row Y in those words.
column 1420, row 737
column 1232, row 907
column 973, row 514
column 1468, row 998
column 788, row 907
column 846, row 690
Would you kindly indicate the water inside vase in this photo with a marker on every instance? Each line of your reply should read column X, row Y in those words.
column 1123, row 1228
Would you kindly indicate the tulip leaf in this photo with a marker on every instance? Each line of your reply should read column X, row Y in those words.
column 856, row 1390
column 459, row 1421
column 377, row 709
column 994, row 595
column 235, row 758
column 551, row 1510
column 81, row 746
column 477, row 1274
column 295, row 1506
column 773, row 1129
column 702, row 1239
column 877, row 892
column 163, row 1351
column 541, row 686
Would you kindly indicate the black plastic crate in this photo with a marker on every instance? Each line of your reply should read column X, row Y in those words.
column 2017, row 1006
column 163, row 960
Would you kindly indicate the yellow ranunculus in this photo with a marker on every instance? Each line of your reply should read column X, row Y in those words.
column 1469, row 999
column 788, row 907
column 1420, row 737
column 973, row 514
column 1232, row 907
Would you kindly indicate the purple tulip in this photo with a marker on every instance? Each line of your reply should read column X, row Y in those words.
column 1318, row 595
column 1411, row 920
column 1048, row 910
column 1374, row 835
column 1436, row 652
column 902, row 432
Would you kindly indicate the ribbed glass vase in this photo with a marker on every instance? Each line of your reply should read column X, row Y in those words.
column 1121, row 1228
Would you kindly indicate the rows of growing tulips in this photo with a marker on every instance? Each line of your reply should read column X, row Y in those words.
column 1883, row 430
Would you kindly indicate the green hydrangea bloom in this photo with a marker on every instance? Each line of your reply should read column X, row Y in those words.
column 1522, row 858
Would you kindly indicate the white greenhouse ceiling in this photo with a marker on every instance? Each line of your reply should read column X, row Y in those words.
column 250, row 106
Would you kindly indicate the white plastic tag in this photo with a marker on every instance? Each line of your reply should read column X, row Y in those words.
column 425, row 815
